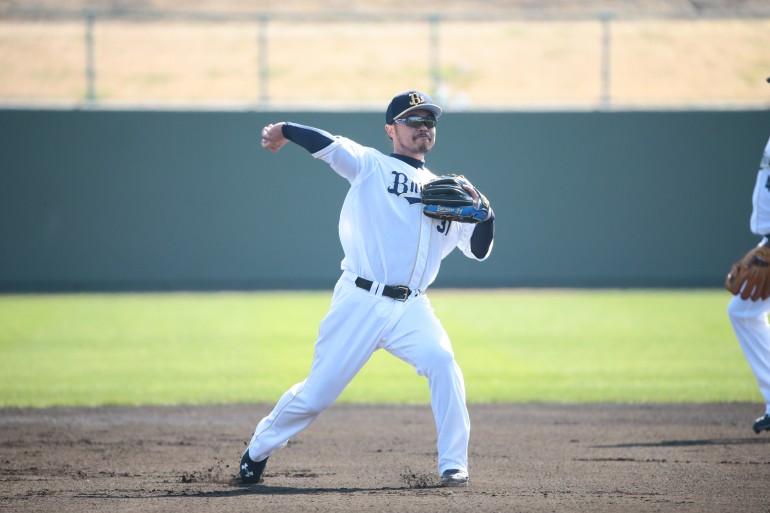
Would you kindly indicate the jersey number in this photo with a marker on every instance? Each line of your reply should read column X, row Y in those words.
column 444, row 226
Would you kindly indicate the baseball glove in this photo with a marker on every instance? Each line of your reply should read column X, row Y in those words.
column 750, row 276
column 447, row 198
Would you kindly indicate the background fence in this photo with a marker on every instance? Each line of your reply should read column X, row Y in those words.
column 148, row 200
column 642, row 143
column 272, row 60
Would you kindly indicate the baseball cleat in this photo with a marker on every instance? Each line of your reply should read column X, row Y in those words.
column 251, row 471
column 454, row 477
column 762, row 424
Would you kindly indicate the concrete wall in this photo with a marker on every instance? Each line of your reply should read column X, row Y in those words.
column 142, row 200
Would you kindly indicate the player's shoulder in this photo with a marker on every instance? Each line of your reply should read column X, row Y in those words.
column 358, row 148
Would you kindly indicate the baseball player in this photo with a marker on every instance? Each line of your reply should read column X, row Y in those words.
column 392, row 253
column 749, row 281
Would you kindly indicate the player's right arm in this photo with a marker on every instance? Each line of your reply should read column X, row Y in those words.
column 274, row 137
column 343, row 155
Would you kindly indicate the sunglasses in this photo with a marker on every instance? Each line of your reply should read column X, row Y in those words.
column 417, row 121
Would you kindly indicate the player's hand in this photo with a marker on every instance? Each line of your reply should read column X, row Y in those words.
column 750, row 276
column 478, row 200
column 272, row 137
column 474, row 194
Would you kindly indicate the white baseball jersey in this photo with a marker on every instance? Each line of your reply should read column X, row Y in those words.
column 389, row 241
column 405, row 247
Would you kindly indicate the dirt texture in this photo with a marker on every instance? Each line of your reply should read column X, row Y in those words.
column 355, row 458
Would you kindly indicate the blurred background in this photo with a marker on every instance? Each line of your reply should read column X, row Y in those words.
column 615, row 139
column 344, row 54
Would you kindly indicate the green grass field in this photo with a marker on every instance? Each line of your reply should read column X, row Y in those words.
column 513, row 346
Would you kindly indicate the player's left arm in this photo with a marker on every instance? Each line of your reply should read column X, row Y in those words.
column 483, row 235
column 476, row 238
column 484, row 232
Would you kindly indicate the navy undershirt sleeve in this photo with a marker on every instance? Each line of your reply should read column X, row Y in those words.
column 312, row 139
column 483, row 233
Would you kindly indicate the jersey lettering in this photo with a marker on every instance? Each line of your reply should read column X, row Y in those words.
column 767, row 183
column 402, row 185
column 399, row 184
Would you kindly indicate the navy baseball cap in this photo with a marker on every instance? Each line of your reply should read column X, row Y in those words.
column 409, row 101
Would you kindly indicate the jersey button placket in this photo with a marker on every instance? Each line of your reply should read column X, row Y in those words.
column 423, row 250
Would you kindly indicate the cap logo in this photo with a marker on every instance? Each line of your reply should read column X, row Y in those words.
column 415, row 99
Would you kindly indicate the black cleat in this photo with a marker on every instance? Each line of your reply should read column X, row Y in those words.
column 454, row 477
column 251, row 471
column 762, row 424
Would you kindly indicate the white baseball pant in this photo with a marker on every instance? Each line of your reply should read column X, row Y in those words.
column 749, row 320
column 357, row 324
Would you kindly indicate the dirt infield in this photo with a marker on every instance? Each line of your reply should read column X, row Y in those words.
column 382, row 458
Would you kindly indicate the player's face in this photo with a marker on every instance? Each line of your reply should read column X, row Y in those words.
column 413, row 141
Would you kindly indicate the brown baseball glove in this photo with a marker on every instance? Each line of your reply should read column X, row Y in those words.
column 750, row 276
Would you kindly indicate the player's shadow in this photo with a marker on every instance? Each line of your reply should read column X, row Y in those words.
column 291, row 490
column 241, row 490
column 688, row 443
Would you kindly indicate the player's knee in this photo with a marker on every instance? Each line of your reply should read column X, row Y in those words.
column 315, row 405
column 442, row 361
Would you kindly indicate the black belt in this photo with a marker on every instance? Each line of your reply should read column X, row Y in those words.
column 397, row 292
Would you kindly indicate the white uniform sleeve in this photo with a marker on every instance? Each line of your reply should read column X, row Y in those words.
column 346, row 157
column 464, row 244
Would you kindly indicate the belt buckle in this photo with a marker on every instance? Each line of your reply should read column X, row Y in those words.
column 403, row 292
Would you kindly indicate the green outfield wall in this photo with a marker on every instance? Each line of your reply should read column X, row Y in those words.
column 95, row 200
